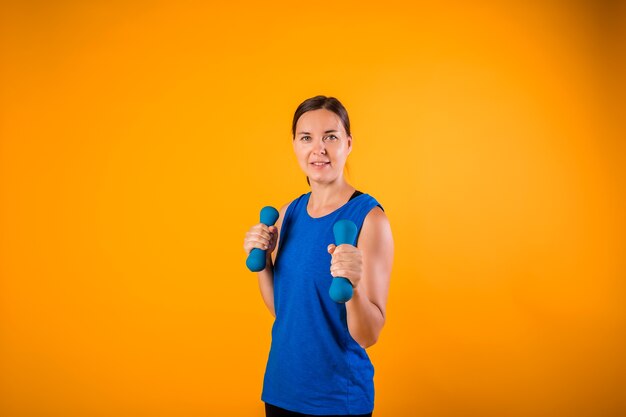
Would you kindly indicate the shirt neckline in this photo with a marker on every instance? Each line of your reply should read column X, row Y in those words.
column 306, row 209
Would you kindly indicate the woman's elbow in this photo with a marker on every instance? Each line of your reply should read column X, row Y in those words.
column 367, row 341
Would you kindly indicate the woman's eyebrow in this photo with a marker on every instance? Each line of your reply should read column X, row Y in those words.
column 327, row 131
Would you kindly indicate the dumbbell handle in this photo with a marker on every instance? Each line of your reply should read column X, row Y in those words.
column 256, row 257
column 345, row 232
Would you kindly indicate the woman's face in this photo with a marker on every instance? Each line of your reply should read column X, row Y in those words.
column 321, row 145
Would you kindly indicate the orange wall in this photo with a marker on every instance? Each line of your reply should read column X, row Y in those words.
column 138, row 141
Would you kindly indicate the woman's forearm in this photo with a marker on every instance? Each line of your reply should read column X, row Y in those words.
column 266, row 284
column 365, row 319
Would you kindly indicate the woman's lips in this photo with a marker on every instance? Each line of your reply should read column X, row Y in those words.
column 320, row 164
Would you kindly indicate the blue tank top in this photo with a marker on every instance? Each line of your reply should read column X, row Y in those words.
column 314, row 364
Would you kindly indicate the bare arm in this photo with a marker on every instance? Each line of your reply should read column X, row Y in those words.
column 367, row 308
column 266, row 276
column 266, row 285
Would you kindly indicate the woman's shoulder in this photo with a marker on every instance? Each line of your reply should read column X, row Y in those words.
column 295, row 201
column 375, row 216
column 285, row 207
column 368, row 200
column 376, row 226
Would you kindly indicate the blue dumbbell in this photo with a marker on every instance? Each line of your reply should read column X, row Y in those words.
column 256, row 257
column 345, row 232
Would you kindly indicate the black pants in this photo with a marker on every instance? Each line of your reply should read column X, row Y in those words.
column 273, row 411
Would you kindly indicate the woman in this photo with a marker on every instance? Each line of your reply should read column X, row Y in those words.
column 317, row 363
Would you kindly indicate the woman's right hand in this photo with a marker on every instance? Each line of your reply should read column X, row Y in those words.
column 262, row 237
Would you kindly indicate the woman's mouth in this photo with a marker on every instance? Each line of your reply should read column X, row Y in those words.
column 320, row 164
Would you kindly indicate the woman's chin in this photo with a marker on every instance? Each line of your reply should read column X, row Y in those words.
column 322, row 179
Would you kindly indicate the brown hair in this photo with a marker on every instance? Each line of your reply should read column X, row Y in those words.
column 322, row 102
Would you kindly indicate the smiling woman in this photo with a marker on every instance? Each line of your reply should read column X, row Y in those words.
column 317, row 363
column 321, row 111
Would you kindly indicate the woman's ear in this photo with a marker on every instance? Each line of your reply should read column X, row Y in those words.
column 349, row 144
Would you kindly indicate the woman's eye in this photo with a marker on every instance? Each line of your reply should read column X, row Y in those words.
column 305, row 138
column 331, row 137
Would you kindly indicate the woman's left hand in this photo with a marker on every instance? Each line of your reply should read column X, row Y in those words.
column 347, row 262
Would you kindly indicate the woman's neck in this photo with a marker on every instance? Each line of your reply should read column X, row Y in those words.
column 329, row 196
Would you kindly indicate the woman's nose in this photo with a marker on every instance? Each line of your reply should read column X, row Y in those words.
column 320, row 147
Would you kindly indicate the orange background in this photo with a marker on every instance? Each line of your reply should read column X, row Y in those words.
column 138, row 141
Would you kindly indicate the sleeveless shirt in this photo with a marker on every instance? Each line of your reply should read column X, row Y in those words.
column 314, row 365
